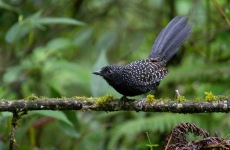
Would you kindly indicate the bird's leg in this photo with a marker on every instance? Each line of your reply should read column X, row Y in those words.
column 122, row 101
column 123, row 98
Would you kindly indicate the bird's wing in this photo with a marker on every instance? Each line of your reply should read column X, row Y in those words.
column 144, row 73
column 151, row 79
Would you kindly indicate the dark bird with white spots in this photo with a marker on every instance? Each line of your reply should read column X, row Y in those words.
column 142, row 76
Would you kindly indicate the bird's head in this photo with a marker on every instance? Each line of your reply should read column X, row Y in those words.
column 109, row 72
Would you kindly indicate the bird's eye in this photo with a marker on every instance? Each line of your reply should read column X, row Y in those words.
column 106, row 70
column 109, row 71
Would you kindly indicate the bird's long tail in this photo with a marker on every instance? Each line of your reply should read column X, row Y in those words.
column 171, row 38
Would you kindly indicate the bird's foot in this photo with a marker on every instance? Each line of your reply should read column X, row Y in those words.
column 123, row 100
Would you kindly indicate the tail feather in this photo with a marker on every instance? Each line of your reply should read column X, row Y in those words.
column 171, row 38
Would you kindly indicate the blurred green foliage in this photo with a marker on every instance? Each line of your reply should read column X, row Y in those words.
column 50, row 48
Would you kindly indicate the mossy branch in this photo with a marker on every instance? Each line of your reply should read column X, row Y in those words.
column 108, row 103
column 19, row 108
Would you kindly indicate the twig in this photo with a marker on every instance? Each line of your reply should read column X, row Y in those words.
column 221, row 12
column 14, row 122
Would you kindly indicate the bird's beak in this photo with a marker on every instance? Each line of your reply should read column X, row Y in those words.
column 98, row 72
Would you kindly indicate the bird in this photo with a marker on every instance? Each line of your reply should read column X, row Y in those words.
column 144, row 75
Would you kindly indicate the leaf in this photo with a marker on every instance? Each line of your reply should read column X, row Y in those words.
column 5, row 114
column 156, row 123
column 61, row 73
column 69, row 131
column 72, row 117
column 83, row 37
column 12, row 74
column 53, row 48
column 22, row 28
column 60, row 43
column 99, row 86
column 54, row 114
column 107, row 40
column 8, row 7
column 16, row 32
column 53, row 20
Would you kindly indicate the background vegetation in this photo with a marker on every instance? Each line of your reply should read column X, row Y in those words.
column 50, row 48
